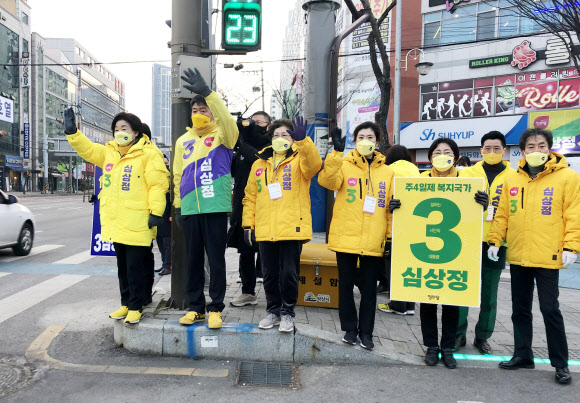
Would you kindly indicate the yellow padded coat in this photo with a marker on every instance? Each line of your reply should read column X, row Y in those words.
column 132, row 187
column 539, row 217
column 288, row 218
column 351, row 229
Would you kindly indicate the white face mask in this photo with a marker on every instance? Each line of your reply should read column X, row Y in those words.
column 123, row 138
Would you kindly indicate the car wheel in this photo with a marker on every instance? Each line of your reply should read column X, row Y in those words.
column 24, row 241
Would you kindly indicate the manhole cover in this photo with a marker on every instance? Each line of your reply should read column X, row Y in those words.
column 266, row 374
column 13, row 376
column 542, row 352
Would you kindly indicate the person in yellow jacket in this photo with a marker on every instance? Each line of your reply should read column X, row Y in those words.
column 132, row 202
column 277, row 215
column 443, row 154
column 360, row 226
column 494, row 170
column 399, row 160
column 539, row 218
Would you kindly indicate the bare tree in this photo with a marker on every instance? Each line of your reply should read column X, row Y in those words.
column 235, row 100
column 559, row 17
column 290, row 102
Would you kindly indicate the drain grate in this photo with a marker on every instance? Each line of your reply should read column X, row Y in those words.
column 13, row 376
column 265, row 374
column 542, row 352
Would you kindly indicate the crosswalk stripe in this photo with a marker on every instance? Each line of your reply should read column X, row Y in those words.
column 21, row 301
column 4, row 274
column 34, row 251
column 76, row 259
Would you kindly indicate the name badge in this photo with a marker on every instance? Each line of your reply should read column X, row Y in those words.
column 490, row 212
column 275, row 191
column 370, row 205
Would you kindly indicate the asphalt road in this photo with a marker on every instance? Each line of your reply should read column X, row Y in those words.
column 40, row 291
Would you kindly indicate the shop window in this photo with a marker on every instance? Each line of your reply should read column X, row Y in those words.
column 432, row 33
column 486, row 25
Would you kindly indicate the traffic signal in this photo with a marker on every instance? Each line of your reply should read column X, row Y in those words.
column 242, row 25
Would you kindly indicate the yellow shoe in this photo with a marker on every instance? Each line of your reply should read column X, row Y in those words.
column 119, row 313
column 191, row 317
column 215, row 320
column 133, row 317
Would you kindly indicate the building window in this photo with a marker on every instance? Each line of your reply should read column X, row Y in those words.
column 460, row 26
column 485, row 25
column 24, row 45
column 25, row 18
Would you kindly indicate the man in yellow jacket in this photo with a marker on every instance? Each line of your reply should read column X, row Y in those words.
column 539, row 218
column 132, row 202
column 494, row 170
column 277, row 215
column 203, row 197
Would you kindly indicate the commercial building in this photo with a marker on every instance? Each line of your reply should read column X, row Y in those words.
column 66, row 74
column 161, row 105
column 493, row 70
column 15, row 148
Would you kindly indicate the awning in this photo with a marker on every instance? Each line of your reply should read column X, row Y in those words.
column 16, row 168
column 55, row 175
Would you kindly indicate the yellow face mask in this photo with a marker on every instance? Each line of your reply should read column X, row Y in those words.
column 280, row 145
column 123, row 138
column 365, row 147
column 492, row 158
column 536, row 159
column 442, row 162
column 199, row 121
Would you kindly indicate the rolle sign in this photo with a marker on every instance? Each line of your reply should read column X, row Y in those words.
column 549, row 95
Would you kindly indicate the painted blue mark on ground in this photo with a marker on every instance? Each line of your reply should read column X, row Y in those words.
column 47, row 268
column 240, row 327
column 570, row 277
column 191, row 341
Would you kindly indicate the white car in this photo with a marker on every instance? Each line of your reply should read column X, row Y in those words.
column 17, row 223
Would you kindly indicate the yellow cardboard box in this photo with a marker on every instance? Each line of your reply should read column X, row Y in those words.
column 318, row 280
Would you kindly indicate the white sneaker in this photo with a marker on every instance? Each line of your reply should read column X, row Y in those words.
column 244, row 299
column 410, row 312
column 287, row 324
column 269, row 321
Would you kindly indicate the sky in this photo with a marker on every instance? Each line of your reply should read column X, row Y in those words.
column 135, row 31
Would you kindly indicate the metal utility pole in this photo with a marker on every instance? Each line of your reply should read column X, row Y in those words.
column 397, row 89
column 321, row 32
column 185, row 40
column 263, row 98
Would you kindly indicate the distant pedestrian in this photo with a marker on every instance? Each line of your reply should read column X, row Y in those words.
column 277, row 215
column 253, row 138
column 132, row 201
column 164, row 233
column 539, row 219
column 462, row 163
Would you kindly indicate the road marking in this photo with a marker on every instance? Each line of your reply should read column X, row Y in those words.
column 4, row 274
column 23, row 300
column 38, row 231
column 69, row 208
column 76, row 259
column 35, row 251
column 38, row 351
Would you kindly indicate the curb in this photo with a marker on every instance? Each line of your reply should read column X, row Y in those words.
column 245, row 341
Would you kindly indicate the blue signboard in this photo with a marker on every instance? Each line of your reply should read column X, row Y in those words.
column 26, row 141
column 99, row 247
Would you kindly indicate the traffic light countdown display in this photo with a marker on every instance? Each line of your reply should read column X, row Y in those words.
column 242, row 24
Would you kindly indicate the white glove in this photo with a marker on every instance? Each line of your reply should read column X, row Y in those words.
column 492, row 253
column 568, row 258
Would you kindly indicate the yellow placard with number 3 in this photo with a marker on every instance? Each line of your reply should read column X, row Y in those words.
column 437, row 240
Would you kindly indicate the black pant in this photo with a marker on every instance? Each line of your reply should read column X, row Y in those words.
column 384, row 273
column 522, row 282
column 209, row 231
column 134, row 270
column 281, row 268
column 449, row 318
column 367, row 283
column 164, row 245
column 249, row 266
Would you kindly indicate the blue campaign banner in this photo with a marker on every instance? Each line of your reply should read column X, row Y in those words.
column 98, row 247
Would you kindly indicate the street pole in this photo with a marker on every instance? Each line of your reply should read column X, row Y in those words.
column 263, row 99
column 397, row 90
column 185, row 40
column 321, row 33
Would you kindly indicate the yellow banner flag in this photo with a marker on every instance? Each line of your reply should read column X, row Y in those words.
column 437, row 236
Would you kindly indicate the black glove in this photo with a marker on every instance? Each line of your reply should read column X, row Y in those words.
column 196, row 82
column 249, row 237
column 394, row 204
column 179, row 218
column 482, row 198
column 155, row 221
column 70, row 123
column 92, row 199
column 337, row 139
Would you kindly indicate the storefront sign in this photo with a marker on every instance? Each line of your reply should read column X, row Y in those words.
column 13, row 162
column 548, row 95
column 465, row 132
column 6, row 110
column 26, row 140
column 489, row 61
column 437, row 235
column 564, row 125
column 25, row 70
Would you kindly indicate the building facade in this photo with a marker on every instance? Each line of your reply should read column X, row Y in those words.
column 493, row 70
column 66, row 74
column 15, row 145
column 161, row 104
